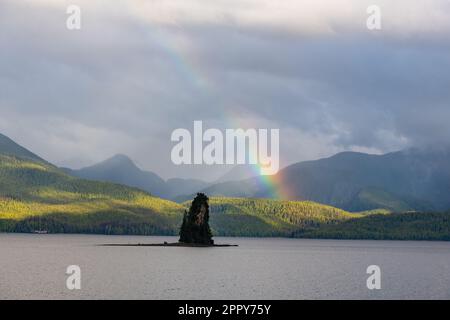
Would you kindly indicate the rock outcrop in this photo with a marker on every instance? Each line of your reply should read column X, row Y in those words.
column 195, row 227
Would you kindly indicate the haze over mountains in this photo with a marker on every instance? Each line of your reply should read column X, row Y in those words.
column 405, row 180
column 121, row 169
column 399, row 181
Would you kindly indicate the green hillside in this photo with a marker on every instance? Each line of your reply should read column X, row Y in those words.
column 304, row 219
column 374, row 198
column 35, row 196
column 395, row 226
column 265, row 217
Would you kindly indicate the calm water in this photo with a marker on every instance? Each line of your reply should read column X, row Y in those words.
column 34, row 266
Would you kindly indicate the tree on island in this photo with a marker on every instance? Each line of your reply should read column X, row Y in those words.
column 195, row 227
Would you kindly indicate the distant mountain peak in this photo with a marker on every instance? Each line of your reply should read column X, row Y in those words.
column 120, row 158
column 352, row 155
column 121, row 169
column 117, row 161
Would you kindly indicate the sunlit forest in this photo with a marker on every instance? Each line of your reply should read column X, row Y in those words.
column 37, row 196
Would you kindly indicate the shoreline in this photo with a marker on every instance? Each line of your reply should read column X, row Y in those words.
column 175, row 244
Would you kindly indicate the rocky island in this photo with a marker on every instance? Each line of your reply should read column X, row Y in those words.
column 195, row 227
column 194, row 230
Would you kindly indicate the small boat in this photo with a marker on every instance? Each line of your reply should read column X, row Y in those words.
column 41, row 231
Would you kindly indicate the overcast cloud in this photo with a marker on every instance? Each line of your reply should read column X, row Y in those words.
column 137, row 70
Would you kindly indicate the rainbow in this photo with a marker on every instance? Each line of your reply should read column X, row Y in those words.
column 192, row 73
column 272, row 183
column 184, row 65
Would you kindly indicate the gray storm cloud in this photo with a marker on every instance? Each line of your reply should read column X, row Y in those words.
column 138, row 70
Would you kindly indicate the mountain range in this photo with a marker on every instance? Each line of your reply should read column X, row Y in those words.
column 387, row 191
column 121, row 169
column 406, row 180
column 409, row 180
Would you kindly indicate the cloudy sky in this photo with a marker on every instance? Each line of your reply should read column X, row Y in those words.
column 139, row 69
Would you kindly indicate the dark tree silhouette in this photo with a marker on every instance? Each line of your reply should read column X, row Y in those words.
column 195, row 227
